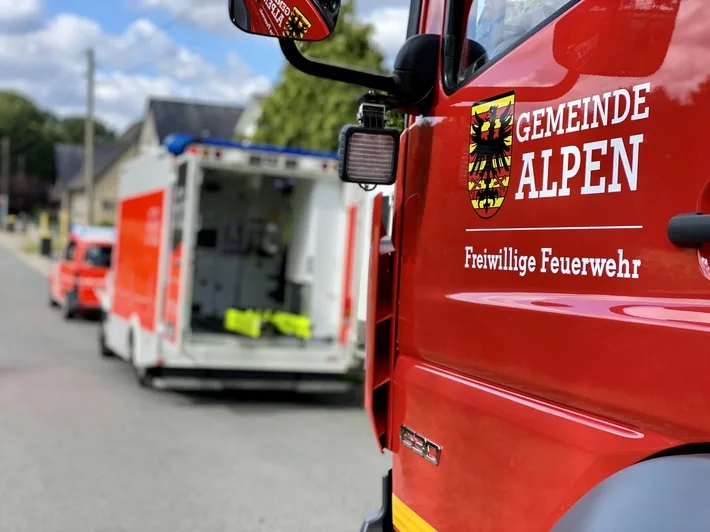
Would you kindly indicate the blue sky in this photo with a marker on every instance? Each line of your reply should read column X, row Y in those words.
column 163, row 48
column 114, row 16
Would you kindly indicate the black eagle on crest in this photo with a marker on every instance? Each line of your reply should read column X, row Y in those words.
column 490, row 151
column 296, row 26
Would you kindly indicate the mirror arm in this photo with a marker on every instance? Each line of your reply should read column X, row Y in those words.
column 369, row 80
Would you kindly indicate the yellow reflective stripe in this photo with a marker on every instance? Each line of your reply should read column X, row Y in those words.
column 405, row 520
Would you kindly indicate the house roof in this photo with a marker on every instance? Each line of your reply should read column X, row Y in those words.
column 193, row 118
column 69, row 166
column 68, row 159
column 106, row 156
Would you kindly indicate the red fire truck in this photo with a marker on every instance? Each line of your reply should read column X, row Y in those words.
column 539, row 314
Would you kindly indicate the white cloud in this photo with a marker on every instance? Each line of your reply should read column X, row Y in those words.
column 388, row 16
column 390, row 25
column 48, row 64
column 20, row 16
column 210, row 15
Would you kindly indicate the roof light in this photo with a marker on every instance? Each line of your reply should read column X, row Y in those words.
column 176, row 143
column 192, row 149
column 205, row 153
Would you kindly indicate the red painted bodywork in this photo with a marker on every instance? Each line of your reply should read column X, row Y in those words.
column 347, row 308
column 172, row 294
column 538, row 387
column 76, row 274
column 278, row 17
column 137, row 258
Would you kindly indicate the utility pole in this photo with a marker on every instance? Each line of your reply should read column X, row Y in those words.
column 89, row 138
column 19, row 182
column 21, row 166
column 5, row 192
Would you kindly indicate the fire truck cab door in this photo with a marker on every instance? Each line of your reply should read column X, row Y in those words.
column 534, row 254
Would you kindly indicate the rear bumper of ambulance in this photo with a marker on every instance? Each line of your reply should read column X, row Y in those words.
column 251, row 379
column 221, row 367
column 381, row 520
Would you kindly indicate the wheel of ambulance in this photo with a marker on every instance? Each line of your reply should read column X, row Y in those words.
column 68, row 310
column 357, row 393
column 103, row 348
column 52, row 302
column 142, row 377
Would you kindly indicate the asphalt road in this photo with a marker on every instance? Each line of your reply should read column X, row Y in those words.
column 83, row 448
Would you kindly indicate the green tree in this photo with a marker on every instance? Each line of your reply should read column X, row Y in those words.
column 72, row 131
column 308, row 112
column 31, row 132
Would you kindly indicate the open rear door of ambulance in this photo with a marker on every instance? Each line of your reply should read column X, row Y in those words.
column 174, row 255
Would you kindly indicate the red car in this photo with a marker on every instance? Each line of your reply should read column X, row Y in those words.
column 81, row 270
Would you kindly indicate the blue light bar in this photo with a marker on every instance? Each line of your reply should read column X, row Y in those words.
column 177, row 143
column 93, row 232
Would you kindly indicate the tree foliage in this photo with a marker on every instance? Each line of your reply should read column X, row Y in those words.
column 33, row 133
column 73, row 131
column 308, row 112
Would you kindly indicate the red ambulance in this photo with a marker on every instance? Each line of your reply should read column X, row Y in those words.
column 81, row 270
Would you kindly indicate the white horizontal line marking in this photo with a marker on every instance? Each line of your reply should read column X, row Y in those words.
column 570, row 228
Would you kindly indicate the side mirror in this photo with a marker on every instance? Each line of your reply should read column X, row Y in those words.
column 297, row 20
column 628, row 26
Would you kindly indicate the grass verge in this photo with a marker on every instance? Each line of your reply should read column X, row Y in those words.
column 29, row 246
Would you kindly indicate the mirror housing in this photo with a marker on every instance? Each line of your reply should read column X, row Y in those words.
column 415, row 70
column 297, row 20
column 580, row 47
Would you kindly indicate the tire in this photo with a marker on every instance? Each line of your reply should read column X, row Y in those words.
column 68, row 310
column 103, row 348
column 143, row 379
column 52, row 302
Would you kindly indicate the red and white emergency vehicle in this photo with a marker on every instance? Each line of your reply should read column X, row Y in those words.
column 235, row 266
column 79, row 273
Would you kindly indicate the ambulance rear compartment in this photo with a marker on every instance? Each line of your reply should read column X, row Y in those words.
column 267, row 283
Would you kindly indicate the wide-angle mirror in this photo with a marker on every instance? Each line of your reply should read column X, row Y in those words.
column 298, row 20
